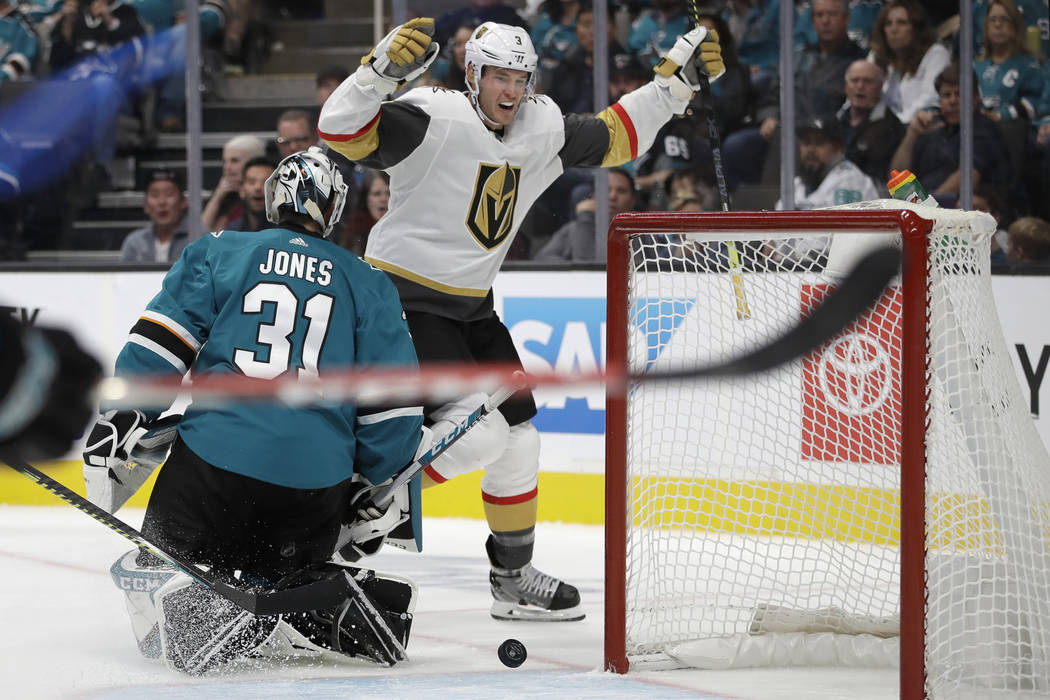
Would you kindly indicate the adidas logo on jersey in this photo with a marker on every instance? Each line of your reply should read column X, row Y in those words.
column 299, row 241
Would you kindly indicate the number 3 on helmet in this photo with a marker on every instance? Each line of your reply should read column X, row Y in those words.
column 306, row 183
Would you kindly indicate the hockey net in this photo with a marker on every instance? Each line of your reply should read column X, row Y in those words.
column 883, row 501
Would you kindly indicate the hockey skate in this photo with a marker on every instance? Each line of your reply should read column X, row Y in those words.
column 529, row 594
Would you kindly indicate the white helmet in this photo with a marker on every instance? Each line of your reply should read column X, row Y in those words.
column 499, row 45
column 307, row 183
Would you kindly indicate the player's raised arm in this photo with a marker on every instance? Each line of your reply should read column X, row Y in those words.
column 350, row 118
column 628, row 128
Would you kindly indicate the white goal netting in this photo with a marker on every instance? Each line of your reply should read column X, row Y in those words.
column 763, row 513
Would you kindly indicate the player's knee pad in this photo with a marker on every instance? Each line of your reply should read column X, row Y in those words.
column 374, row 625
column 480, row 446
column 140, row 577
column 515, row 472
column 200, row 630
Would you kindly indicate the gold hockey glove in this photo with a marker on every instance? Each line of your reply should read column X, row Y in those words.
column 696, row 53
column 406, row 52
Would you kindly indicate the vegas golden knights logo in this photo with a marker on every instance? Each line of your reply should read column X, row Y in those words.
column 491, row 214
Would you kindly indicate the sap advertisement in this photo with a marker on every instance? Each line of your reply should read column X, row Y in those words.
column 557, row 320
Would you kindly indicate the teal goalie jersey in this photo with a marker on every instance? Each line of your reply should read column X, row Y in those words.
column 275, row 303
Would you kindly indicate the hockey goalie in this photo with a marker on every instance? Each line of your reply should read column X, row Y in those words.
column 258, row 493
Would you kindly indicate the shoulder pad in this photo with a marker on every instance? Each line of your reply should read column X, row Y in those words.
column 538, row 113
column 438, row 102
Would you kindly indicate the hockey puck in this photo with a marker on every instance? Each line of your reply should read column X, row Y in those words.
column 512, row 653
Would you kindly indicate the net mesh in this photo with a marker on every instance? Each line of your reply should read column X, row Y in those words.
column 771, row 503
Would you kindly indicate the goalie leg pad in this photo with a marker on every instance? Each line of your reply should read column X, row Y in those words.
column 374, row 621
column 480, row 446
column 140, row 581
column 516, row 470
column 200, row 630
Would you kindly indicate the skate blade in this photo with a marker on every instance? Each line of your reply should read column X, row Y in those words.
column 530, row 613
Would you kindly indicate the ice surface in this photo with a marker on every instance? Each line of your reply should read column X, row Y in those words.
column 64, row 632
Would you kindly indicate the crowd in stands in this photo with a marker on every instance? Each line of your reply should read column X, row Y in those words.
column 876, row 88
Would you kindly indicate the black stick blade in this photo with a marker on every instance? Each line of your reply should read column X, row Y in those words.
column 860, row 289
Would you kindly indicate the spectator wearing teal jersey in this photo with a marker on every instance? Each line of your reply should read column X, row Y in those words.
column 37, row 10
column 18, row 44
column 755, row 25
column 862, row 16
column 1010, row 81
column 571, row 84
column 156, row 15
column 554, row 32
column 171, row 102
column 1036, row 16
column 655, row 31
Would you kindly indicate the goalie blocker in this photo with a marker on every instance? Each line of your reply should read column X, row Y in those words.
column 194, row 630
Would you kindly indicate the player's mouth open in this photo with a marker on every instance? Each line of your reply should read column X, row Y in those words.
column 506, row 105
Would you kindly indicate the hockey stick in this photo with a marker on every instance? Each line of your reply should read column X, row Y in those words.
column 437, row 449
column 437, row 383
column 319, row 594
column 385, row 494
column 743, row 309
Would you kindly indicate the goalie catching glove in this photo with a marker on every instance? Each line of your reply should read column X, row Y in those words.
column 697, row 53
column 403, row 55
column 122, row 451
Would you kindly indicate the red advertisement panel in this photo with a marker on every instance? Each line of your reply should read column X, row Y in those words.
column 851, row 399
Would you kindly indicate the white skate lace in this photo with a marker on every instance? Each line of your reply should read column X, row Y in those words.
column 538, row 585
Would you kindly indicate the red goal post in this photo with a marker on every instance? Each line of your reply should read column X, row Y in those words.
column 743, row 511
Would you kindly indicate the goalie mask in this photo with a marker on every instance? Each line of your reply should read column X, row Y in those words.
column 501, row 46
column 307, row 183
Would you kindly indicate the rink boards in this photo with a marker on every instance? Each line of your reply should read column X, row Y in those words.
column 557, row 320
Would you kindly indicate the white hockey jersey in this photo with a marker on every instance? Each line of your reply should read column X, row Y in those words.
column 844, row 183
column 459, row 191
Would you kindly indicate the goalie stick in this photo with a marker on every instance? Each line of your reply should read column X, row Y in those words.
column 437, row 449
column 319, row 594
column 385, row 494
column 438, row 383
column 311, row 596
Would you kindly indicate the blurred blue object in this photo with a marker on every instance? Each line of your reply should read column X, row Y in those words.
column 54, row 123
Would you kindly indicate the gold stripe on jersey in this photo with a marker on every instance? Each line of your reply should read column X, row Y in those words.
column 623, row 138
column 423, row 281
column 358, row 145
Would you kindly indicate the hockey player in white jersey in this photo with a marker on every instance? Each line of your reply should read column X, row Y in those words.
column 465, row 167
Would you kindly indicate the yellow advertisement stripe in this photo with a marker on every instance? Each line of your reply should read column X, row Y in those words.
column 16, row 489
column 767, row 508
